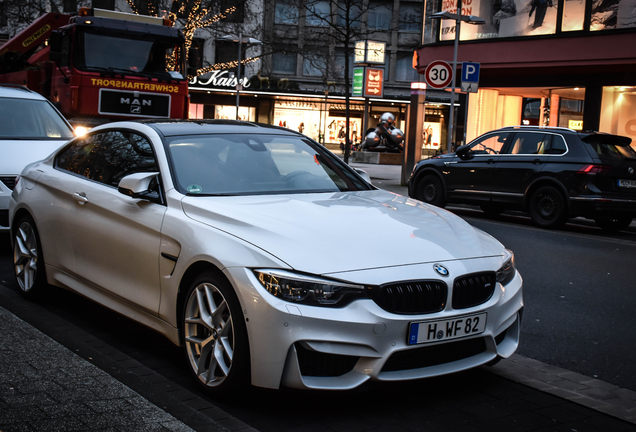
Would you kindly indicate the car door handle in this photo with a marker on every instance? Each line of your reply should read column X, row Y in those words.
column 490, row 161
column 80, row 197
column 537, row 161
column 448, row 163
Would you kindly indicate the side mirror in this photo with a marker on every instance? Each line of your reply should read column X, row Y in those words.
column 138, row 185
column 362, row 173
column 463, row 151
column 55, row 46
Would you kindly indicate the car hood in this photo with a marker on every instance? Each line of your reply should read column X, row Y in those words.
column 328, row 233
column 16, row 154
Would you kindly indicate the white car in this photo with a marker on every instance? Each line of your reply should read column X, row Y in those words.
column 30, row 129
column 264, row 255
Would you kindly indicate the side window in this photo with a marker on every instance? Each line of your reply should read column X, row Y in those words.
column 558, row 145
column 107, row 157
column 489, row 144
column 528, row 143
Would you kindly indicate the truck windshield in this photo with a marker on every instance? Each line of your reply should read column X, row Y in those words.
column 123, row 54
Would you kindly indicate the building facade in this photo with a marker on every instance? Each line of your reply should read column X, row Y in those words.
column 561, row 63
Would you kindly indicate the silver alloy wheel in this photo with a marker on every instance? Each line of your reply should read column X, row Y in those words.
column 25, row 256
column 209, row 334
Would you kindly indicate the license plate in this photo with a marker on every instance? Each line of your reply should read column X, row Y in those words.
column 443, row 330
column 626, row 183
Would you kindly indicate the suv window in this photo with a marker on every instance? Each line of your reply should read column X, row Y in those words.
column 530, row 143
column 107, row 157
column 31, row 119
column 611, row 147
column 489, row 144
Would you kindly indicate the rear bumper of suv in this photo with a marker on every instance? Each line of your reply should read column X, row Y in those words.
column 596, row 206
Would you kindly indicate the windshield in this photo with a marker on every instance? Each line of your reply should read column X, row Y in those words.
column 157, row 57
column 239, row 164
column 31, row 119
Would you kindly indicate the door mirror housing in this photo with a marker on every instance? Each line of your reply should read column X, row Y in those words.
column 463, row 151
column 55, row 46
column 140, row 186
column 362, row 173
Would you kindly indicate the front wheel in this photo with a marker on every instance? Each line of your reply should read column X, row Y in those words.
column 28, row 263
column 214, row 335
column 547, row 208
column 430, row 190
column 613, row 224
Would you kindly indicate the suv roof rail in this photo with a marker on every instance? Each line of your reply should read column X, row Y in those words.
column 539, row 127
column 17, row 86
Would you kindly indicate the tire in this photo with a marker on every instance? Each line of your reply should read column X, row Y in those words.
column 28, row 261
column 613, row 223
column 214, row 336
column 547, row 208
column 430, row 190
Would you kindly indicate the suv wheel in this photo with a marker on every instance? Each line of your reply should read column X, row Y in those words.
column 547, row 207
column 613, row 224
column 430, row 190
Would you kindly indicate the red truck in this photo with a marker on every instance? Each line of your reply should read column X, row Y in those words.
column 101, row 65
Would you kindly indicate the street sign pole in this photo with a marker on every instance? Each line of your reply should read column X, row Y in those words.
column 451, row 120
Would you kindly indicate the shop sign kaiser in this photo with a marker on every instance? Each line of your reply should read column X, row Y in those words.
column 219, row 78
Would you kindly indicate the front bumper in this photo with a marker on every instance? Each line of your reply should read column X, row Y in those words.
column 340, row 348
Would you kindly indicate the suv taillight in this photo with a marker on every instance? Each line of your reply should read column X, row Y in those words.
column 595, row 169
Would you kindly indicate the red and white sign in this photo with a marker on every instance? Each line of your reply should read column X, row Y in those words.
column 439, row 74
column 373, row 82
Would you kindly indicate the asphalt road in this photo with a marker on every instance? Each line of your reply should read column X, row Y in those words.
column 577, row 286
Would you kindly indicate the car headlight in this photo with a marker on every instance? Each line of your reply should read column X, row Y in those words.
column 507, row 271
column 310, row 290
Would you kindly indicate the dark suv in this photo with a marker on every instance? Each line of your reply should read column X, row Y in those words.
column 553, row 173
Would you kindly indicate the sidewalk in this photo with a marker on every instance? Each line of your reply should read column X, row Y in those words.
column 46, row 387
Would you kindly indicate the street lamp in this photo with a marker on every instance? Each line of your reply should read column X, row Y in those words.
column 458, row 18
column 241, row 40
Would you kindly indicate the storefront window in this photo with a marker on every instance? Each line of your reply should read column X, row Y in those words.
column 504, row 18
column 228, row 112
column 571, row 114
column 613, row 14
column 618, row 111
column 573, row 15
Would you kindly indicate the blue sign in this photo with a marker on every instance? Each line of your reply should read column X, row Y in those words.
column 470, row 72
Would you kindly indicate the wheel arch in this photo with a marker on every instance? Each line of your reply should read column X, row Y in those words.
column 545, row 181
column 189, row 275
column 426, row 170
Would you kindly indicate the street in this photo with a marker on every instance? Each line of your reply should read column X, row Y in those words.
column 578, row 304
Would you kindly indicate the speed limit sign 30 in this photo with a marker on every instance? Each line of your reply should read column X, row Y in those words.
column 439, row 74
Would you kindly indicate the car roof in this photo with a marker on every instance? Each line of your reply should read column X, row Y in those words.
column 200, row 127
column 18, row 92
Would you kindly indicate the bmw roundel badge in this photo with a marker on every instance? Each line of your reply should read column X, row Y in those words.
column 441, row 270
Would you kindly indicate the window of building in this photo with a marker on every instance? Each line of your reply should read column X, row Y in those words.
column 349, row 12
column 314, row 65
column 227, row 52
column 69, row 5
column 616, row 14
column 379, row 16
column 285, row 13
column 237, row 16
column 410, row 16
column 618, row 111
column 103, row 4
column 404, row 70
column 284, row 63
column 573, row 15
column 340, row 64
column 3, row 15
column 318, row 13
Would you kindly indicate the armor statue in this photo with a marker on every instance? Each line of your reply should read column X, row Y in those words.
column 385, row 137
